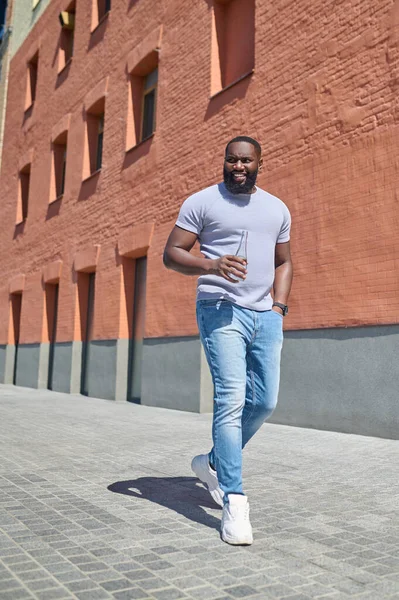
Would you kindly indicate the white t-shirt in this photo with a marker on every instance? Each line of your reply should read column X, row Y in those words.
column 221, row 219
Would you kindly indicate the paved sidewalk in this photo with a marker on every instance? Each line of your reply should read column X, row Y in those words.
column 97, row 500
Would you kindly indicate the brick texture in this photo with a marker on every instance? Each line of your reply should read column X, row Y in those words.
column 323, row 101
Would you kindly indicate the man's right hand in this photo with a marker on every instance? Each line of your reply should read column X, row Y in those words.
column 229, row 266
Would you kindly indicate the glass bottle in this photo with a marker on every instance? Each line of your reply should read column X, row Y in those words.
column 242, row 250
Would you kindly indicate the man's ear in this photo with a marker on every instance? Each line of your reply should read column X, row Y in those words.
column 260, row 164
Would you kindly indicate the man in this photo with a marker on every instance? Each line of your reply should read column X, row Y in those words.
column 244, row 235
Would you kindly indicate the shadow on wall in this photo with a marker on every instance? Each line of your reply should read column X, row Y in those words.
column 137, row 152
column 27, row 114
column 132, row 3
column 19, row 229
column 227, row 96
column 183, row 495
column 89, row 186
column 99, row 32
column 344, row 333
column 63, row 75
column 53, row 209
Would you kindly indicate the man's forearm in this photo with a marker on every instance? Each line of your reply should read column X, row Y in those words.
column 282, row 282
column 182, row 261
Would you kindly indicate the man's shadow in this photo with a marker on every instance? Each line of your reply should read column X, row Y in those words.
column 184, row 495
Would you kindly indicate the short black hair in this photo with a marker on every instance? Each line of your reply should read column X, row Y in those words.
column 246, row 138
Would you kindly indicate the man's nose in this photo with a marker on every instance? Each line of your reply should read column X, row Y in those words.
column 238, row 165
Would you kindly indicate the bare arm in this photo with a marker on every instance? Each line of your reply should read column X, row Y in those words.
column 284, row 273
column 177, row 257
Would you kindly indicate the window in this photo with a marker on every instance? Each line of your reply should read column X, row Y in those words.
column 67, row 20
column 93, row 160
column 86, row 291
column 31, row 81
column 23, row 195
column 149, row 104
column 100, row 137
column 16, row 304
column 141, row 120
column 100, row 9
column 58, row 167
column 136, row 338
column 233, row 42
column 52, row 293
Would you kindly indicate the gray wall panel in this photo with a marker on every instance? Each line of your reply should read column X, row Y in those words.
column 171, row 373
column 43, row 365
column 28, row 362
column 102, row 369
column 3, row 360
column 122, row 359
column 62, row 367
column 344, row 380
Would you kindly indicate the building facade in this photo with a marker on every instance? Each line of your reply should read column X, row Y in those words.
column 17, row 17
column 5, row 52
column 117, row 112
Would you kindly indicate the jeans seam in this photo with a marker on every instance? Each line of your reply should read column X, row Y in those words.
column 251, row 341
column 204, row 338
column 253, row 397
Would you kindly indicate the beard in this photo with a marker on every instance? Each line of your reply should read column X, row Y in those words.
column 239, row 188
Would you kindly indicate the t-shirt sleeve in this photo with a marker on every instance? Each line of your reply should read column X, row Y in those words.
column 284, row 235
column 190, row 215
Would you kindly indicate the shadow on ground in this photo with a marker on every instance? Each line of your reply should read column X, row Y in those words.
column 184, row 495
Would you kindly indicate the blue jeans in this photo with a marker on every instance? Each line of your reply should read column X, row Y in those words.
column 243, row 349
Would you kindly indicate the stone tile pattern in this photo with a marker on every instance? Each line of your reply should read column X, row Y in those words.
column 97, row 501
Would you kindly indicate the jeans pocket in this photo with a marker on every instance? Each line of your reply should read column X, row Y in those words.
column 213, row 315
column 211, row 303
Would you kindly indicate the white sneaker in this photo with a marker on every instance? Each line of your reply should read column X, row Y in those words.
column 236, row 527
column 201, row 467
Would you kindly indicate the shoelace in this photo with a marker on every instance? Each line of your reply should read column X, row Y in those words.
column 240, row 511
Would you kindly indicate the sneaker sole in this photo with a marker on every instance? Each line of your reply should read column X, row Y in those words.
column 234, row 542
column 203, row 476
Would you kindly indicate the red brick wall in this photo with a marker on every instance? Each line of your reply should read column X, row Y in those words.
column 323, row 101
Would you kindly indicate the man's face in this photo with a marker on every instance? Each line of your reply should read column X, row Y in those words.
column 241, row 166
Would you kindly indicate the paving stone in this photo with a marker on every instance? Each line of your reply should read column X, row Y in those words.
column 314, row 590
column 154, row 583
column 165, row 550
column 207, row 592
column 132, row 594
column 9, row 584
column 106, row 575
column 42, row 584
column 92, row 566
column 294, row 597
column 240, row 591
column 68, row 576
column 169, row 594
column 138, row 575
column 116, row 584
column 222, row 580
column 129, row 565
column 20, row 594
column 185, row 583
column 53, row 594
column 33, row 575
column 96, row 594
column 81, row 586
